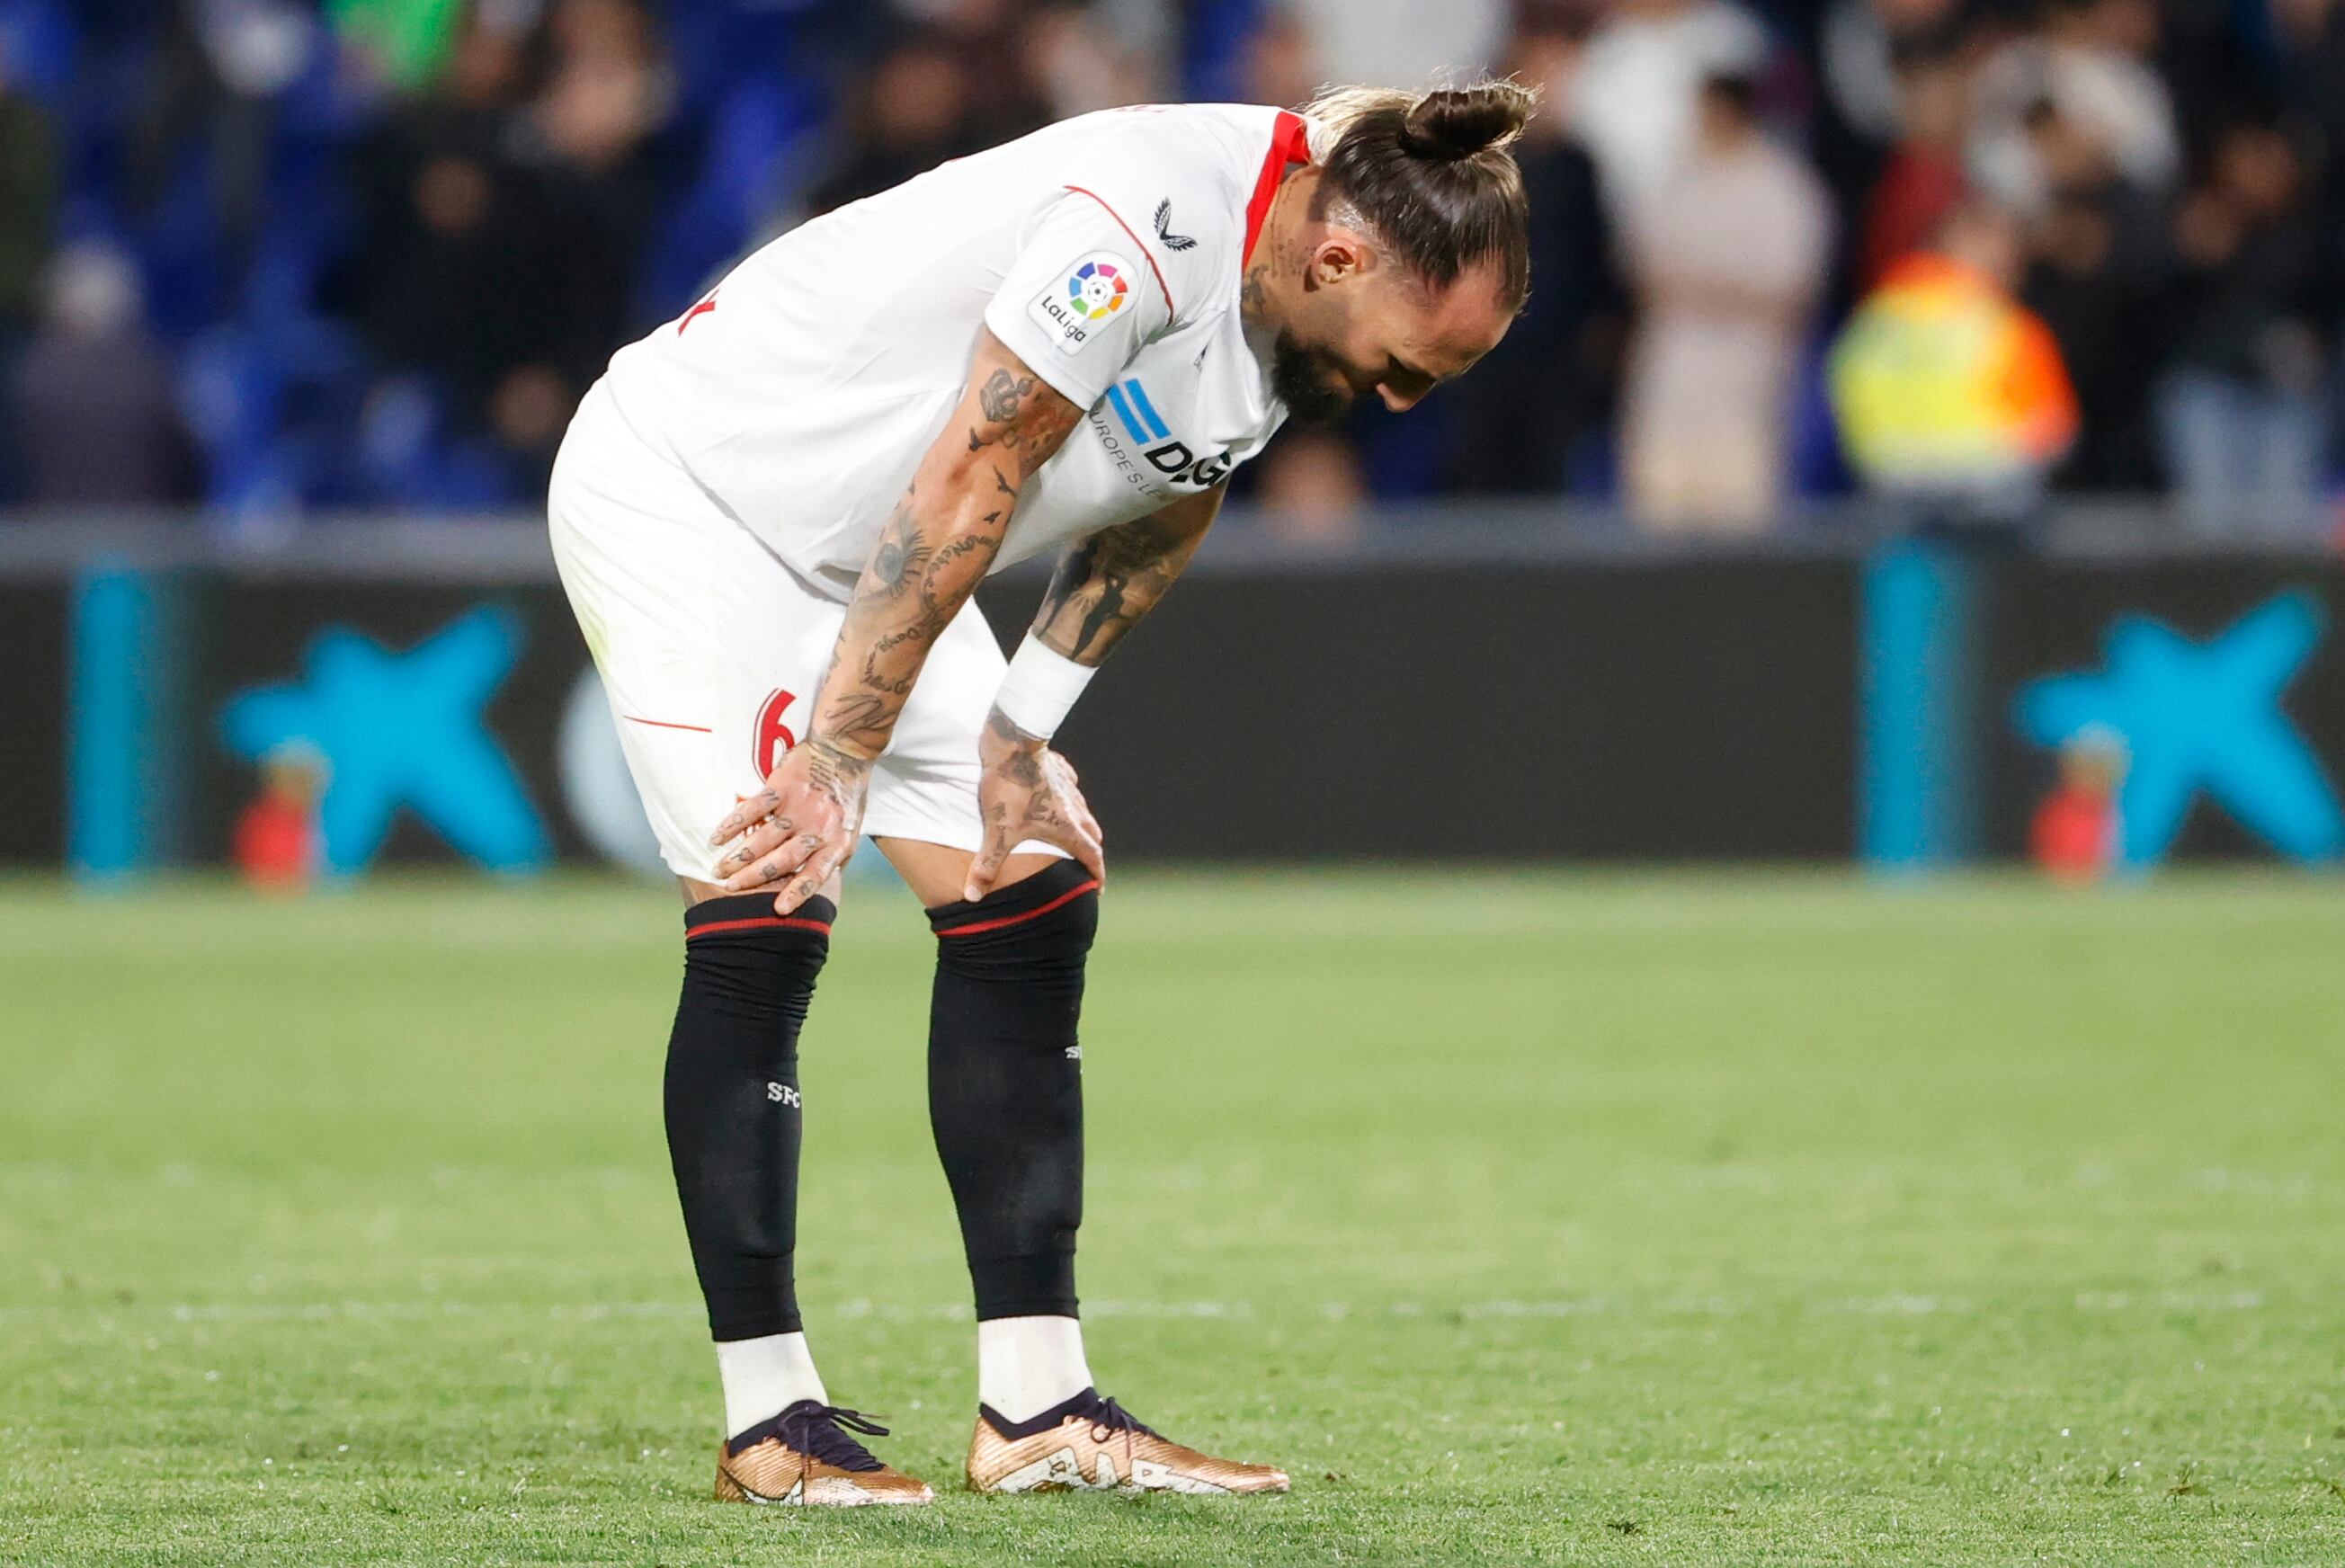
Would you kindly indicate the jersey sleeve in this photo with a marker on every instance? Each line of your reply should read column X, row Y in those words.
column 1081, row 297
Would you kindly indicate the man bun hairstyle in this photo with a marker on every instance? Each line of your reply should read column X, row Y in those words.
column 1429, row 174
column 1451, row 123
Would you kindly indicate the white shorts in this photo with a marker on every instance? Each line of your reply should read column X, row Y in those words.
column 710, row 649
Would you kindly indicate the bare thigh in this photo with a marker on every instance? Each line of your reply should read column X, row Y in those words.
column 937, row 872
column 701, row 892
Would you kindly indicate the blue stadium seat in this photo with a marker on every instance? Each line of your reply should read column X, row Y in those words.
column 181, row 251
column 1216, row 36
column 37, row 51
column 1813, row 462
column 408, row 460
column 745, row 175
column 271, row 405
column 712, row 44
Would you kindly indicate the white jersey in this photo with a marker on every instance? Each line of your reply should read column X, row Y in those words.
column 1106, row 251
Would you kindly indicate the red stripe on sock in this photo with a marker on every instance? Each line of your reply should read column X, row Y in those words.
column 778, row 921
column 663, row 724
column 1069, row 897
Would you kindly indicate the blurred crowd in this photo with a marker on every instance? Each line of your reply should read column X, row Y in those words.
column 283, row 255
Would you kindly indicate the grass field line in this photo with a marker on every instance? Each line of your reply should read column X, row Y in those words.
column 42, row 919
column 1786, row 1180
column 1682, row 1304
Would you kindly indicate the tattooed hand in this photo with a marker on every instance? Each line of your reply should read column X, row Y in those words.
column 1027, row 791
column 800, row 828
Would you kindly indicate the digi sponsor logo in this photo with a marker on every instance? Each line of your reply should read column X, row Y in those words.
column 1168, row 457
column 1095, row 290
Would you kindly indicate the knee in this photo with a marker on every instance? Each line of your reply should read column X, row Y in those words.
column 741, row 957
column 1037, row 930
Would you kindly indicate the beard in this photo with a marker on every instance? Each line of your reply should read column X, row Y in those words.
column 1308, row 380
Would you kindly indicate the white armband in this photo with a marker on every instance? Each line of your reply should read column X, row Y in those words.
column 1041, row 688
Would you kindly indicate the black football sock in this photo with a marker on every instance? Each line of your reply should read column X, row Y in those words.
column 733, row 1105
column 1006, row 1088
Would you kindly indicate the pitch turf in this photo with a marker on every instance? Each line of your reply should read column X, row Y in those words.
column 1703, row 1221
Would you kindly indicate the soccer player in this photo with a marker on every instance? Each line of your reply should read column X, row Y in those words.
column 769, row 516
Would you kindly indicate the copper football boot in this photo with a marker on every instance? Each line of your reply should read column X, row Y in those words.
column 1094, row 1444
column 805, row 1457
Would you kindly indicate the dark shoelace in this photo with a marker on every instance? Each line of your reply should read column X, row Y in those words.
column 1108, row 1416
column 821, row 1431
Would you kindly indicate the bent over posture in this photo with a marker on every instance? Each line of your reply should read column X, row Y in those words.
column 770, row 515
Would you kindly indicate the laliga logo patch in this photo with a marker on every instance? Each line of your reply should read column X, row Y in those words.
column 1097, row 289
column 1074, row 311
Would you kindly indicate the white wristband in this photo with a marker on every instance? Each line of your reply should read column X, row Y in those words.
column 1040, row 689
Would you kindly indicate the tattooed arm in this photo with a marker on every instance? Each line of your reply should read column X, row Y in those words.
column 1101, row 591
column 1106, row 583
column 935, row 549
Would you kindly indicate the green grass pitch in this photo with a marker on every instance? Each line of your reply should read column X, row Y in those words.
column 1710, row 1219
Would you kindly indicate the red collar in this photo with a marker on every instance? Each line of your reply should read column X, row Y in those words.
column 1290, row 143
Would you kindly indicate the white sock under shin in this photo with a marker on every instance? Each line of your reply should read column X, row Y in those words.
column 1026, row 1365
column 764, row 1377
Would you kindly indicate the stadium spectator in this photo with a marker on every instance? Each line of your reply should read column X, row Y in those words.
column 2240, row 406
column 1275, row 63
column 586, row 142
column 496, row 192
column 2311, row 35
column 1525, row 415
column 1728, row 255
column 916, row 110
column 605, row 91
column 1312, row 488
column 1921, row 177
column 1891, row 115
column 214, row 84
column 2311, row 40
column 507, row 214
column 92, row 396
column 1866, row 50
column 471, row 281
column 1082, row 58
column 2101, row 280
column 1950, row 396
column 28, row 196
column 990, row 39
column 1401, row 40
column 1638, row 102
column 2053, row 105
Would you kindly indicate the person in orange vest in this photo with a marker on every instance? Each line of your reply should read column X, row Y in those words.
column 1947, row 390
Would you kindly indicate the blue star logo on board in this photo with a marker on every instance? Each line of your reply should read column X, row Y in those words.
column 402, row 730
column 2201, row 718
